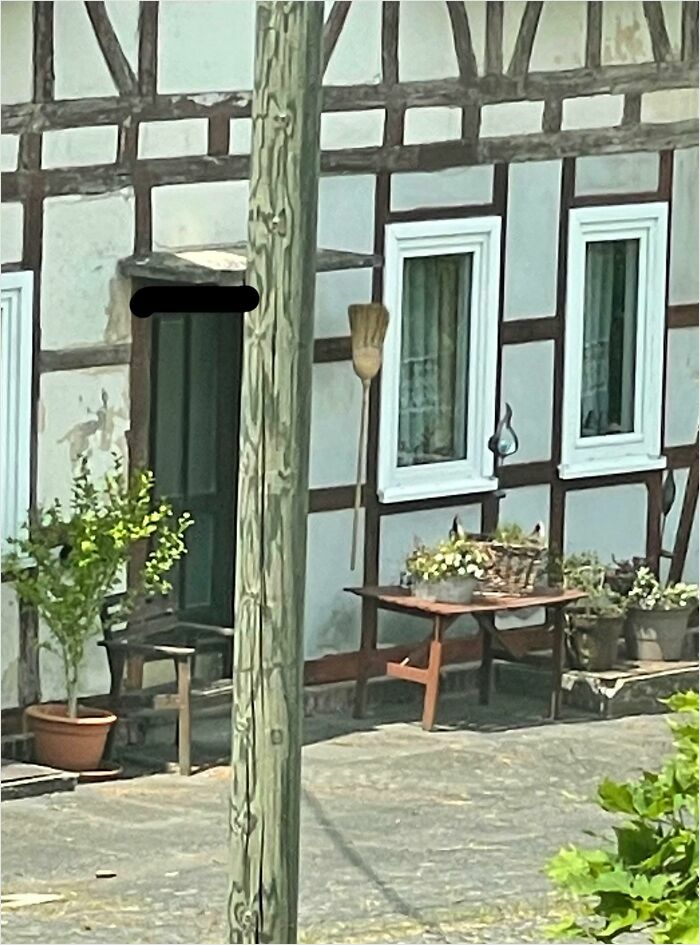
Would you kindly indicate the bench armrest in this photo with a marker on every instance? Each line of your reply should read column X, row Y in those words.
column 205, row 628
column 167, row 652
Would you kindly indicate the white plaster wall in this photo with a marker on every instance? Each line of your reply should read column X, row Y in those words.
column 124, row 15
column 84, row 74
column 683, row 277
column 682, row 387
column 332, row 617
column 335, row 291
column 173, row 138
column 610, row 521
column 592, row 111
column 511, row 118
column 83, row 412
column 363, row 129
column 79, row 146
column 11, row 222
column 512, row 15
column 9, row 148
column 670, row 105
column 195, row 214
column 625, row 33
column 357, row 57
column 526, row 506
column 9, row 645
column 424, row 28
column 346, row 213
column 617, row 173
column 94, row 674
column 398, row 536
column 432, row 124
column 532, row 237
column 527, row 384
column 222, row 38
column 83, row 239
column 461, row 185
column 560, row 40
column 336, row 401
column 240, row 135
column 16, row 52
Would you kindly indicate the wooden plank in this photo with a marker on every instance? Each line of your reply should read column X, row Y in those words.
column 273, row 477
column 74, row 359
column 520, row 61
column 494, row 38
column 332, row 29
column 462, row 38
column 660, row 43
column 404, row 671
column 682, row 316
column 594, row 33
column 118, row 65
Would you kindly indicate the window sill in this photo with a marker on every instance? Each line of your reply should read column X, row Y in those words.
column 417, row 491
column 599, row 467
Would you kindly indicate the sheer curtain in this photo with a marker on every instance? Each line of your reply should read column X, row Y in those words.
column 609, row 338
column 434, row 359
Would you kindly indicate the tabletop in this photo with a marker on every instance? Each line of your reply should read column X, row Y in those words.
column 393, row 597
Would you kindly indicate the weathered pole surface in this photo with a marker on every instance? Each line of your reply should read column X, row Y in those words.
column 273, row 476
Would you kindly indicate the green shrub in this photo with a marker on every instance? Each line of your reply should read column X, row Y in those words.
column 648, row 882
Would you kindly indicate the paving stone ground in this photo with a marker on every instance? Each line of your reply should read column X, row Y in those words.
column 406, row 836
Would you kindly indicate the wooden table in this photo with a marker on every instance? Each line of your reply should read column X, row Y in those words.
column 483, row 609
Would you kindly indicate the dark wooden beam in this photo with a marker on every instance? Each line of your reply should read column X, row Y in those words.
column 328, row 350
column 689, row 31
column 654, row 484
column 681, row 457
column 632, row 110
column 75, row 359
column 117, row 63
column 462, row 37
column 218, row 134
column 148, row 48
column 520, row 61
column 332, row 29
column 524, row 330
column 594, row 33
column 660, row 43
column 43, row 53
column 494, row 38
column 682, row 316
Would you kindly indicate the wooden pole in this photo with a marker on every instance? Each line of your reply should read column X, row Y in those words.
column 273, row 476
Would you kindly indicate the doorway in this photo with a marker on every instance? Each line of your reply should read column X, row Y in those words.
column 194, row 425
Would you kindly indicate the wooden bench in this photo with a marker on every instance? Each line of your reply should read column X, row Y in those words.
column 155, row 633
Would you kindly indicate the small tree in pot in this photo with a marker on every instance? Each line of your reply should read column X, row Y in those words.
column 595, row 623
column 657, row 622
column 70, row 560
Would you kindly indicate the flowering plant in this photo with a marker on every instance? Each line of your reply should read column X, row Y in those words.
column 648, row 593
column 455, row 557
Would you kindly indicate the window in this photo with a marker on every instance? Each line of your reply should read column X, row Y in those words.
column 16, row 366
column 614, row 340
column 439, row 373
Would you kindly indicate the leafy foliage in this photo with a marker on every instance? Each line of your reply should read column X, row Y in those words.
column 454, row 557
column 71, row 558
column 649, row 880
column 510, row 533
column 648, row 593
column 586, row 572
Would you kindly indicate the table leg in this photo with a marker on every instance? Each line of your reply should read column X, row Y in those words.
column 557, row 662
column 367, row 646
column 432, row 685
column 486, row 668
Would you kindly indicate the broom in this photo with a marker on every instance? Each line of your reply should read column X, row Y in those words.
column 368, row 324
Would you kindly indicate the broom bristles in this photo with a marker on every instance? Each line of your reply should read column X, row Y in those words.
column 368, row 324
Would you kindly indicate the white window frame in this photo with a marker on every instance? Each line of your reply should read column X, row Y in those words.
column 480, row 236
column 16, row 378
column 641, row 449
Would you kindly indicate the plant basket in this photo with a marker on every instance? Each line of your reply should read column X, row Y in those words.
column 516, row 568
column 656, row 634
column 592, row 641
column 451, row 590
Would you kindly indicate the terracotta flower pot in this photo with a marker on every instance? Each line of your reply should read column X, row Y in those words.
column 70, row 744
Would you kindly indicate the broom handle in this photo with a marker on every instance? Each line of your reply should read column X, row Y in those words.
column 360, row 466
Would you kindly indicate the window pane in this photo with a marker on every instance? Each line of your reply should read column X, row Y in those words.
column 609, row 337
column 434, row 359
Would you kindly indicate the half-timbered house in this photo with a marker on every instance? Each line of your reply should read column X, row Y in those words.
column 518, row 181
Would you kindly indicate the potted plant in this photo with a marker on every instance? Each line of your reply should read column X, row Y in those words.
column 69, row 560
column 595, row 622
column 518, row 557
column 657, row 620
column 450, row 571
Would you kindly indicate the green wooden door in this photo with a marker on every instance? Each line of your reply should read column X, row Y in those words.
column 196, row 363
